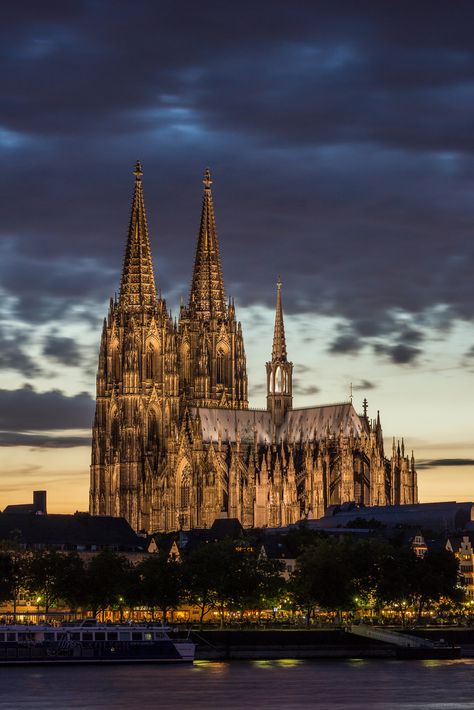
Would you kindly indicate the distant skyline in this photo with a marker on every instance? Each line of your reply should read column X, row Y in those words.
column 340, row 144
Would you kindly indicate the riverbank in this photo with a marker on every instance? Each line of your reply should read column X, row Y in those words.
column 309, row 644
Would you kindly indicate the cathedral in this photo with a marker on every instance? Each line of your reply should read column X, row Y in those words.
column 175, row 444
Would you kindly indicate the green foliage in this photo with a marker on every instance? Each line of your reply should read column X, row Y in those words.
column 42, row 572
column 160, row 583
column 106, row 581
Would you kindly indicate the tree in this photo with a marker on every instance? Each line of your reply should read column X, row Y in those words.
column 202, row 568
column 42, row 570
column 161, row 583
column 106, row 580
column 323, row 577
column 71, row 582
column 434, row 576
column 12, row 572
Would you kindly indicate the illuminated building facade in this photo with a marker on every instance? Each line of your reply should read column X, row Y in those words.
column 175, row 444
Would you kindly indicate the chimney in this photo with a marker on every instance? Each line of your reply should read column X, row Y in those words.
column 39, row 502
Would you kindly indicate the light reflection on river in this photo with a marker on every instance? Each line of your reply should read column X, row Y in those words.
column 263, row 685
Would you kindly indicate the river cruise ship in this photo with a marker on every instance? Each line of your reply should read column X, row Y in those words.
column 91, row 642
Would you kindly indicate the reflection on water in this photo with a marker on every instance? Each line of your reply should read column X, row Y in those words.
column 264, row 685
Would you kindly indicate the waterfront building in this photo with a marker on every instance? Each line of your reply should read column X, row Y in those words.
column 463, row 547
column 175, row 444
column 441, row 517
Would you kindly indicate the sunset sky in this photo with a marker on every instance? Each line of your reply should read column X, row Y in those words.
column 341, row 145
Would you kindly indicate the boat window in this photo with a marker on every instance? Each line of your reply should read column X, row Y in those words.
column 148, row 636
column 75, row 636
column 23, row 637
column 159, row 635
column 87, row 636
column 124, row 635
column 136, row 635
column 2, row 636
column 49, row 636
column 100, row 635
column 112, row 635
column 11, row 637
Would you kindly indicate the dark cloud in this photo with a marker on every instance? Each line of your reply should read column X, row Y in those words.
column 62, row 350
column 363, row 385
column 348, row 342
column 434, row 463
column 399, row 354
column 340, row 138
column 304, row 389
column 24, row 410
column 13, row 356
column 38, row 441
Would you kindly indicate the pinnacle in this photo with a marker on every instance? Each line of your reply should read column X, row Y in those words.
column 279, row 342
column 207, row 297
column 137, row 289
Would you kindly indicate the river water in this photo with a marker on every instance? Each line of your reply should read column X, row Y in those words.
column 263, row 685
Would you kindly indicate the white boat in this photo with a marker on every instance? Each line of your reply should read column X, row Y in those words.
column 88, row 641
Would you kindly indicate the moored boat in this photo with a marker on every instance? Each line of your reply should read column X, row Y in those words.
column 88, row 641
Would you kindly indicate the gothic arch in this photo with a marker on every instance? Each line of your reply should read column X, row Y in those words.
column 152, row 364
column 222, row 363
column 185, row 363
column 153, row 429
column 115, row 360
column 183, row 493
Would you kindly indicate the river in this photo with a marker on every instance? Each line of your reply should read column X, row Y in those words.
column 259, row 685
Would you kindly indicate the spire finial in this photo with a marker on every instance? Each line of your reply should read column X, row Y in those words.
column 279, row 343
column 207, row 179
column 279, row 282
column 138, row 172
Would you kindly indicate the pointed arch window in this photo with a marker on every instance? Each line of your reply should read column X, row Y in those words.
column 185, row 364
column 222, row 366
column 115, row 362
column 185, row 488
column 151, row 363
column 152, row 430
column 278, row 379
column 115, row 433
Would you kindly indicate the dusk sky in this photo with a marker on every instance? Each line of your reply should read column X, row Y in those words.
column 340, row 138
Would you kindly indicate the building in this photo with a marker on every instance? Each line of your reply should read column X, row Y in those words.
column 175, row 444
column 37, row 506
column 81, row 533
column 463, row 549
column 440, row 517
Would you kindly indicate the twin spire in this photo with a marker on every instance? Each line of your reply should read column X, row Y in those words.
column 207, row 297
column 137, row 289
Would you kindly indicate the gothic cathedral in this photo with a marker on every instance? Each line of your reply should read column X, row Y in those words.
column 175, row 445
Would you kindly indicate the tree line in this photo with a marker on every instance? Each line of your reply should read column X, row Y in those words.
column 233, row 576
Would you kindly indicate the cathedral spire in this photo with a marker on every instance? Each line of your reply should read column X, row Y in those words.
column 207, row 298
column 279, row 370
column 137, row 289
column 279, row 342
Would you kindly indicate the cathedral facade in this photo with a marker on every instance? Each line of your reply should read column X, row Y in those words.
column 175, row 444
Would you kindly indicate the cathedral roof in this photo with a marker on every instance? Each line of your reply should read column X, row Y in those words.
column 207, row 297
column 308, row 424
column 313, row 423
column 137, row 289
